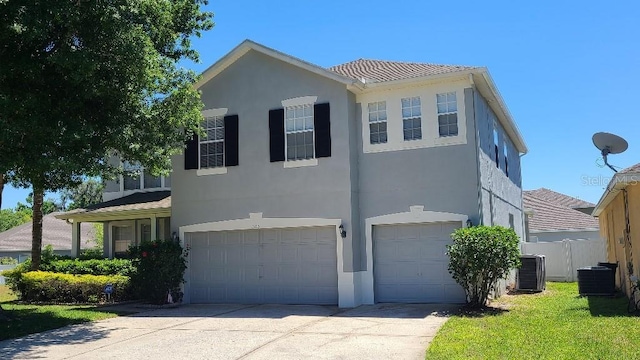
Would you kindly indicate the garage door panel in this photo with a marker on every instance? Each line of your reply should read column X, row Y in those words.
column 293, row 266
column 410, row 263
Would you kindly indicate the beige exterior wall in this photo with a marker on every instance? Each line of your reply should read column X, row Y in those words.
column 612, row 228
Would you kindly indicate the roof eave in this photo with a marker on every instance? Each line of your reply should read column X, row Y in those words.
column 489, row 90
column 89, row 216
column 248, row 45
column 617, row 183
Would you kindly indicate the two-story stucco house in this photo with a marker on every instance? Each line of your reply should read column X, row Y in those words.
column 330, row 186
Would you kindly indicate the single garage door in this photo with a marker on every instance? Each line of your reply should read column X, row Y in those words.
column 271, row 266
column 410, row 264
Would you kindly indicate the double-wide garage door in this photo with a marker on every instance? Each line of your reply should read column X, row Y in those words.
column 410, row 264
column 280, row 266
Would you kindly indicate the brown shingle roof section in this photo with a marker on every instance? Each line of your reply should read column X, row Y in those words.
column 549, row 216
column 55, row 232
column 380, row 70
column 558, row 198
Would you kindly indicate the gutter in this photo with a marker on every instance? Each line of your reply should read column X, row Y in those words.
column 618, row 183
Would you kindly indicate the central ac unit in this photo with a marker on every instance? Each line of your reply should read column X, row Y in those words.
column 531, row 275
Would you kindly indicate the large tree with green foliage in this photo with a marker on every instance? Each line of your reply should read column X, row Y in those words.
column 81, row 80
column 88, row 193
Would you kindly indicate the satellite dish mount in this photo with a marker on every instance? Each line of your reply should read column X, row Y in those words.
column 609, row 144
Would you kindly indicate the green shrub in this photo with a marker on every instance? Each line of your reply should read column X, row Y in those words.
column 479, row 257
column 160, row 267
column 122, row 267
column 7, row 260
column 66, row 288
column 93, row 253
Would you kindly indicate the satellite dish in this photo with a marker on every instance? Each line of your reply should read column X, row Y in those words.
column 609, row 144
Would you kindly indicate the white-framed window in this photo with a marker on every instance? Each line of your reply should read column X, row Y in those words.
column 131, row 178
column 447, row 114
column 411, row 118
column 495, row 144
column 123, row 236
column 505, row 152
column 299, row 134
column 211, row 144
column 377, row 122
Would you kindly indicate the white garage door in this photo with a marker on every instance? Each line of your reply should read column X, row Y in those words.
column 410, row 264
column 277, row 266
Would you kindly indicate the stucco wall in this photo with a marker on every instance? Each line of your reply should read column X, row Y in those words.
column 612, row 225
column 500, row 195
column 250, row 87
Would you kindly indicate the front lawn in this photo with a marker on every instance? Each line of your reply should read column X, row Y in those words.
column 29, row 319
column 556, row 324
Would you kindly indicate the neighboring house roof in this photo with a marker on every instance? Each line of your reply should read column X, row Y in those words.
column 55, row 232
column 382, row 72
column 550, row 216
column 367, row 70
column 559, row 199
column 618, row 182
column 157, row 203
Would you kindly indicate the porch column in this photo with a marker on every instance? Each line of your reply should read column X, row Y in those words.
column 154, row 228
column 75, row 239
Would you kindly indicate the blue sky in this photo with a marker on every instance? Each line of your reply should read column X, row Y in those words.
column 566, row 69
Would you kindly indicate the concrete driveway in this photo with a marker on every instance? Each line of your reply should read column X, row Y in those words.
column 383, row 331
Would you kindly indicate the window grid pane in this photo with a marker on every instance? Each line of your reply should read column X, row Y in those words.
column 299, row 132
column 411, row 118
column 212, row 143
column 377, row 122
column 447, row 114
column 448, row 125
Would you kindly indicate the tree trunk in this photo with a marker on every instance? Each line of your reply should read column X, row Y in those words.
column 36, row 239
column 1, row 188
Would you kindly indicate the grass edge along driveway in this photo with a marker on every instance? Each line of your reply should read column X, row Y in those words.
column 556, row 324
column 30, row 319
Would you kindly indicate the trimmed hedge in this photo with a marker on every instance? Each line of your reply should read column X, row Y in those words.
column 122, row 267
column 66, row 288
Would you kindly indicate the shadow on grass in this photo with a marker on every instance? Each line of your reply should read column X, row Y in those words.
column 30, row 321
column 481, row 312
column 609, row 306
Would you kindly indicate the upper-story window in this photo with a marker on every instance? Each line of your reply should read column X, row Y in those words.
column 495, row 144
column 505, row 152
column 378, row 122
column 447, row 114
column 299, row 132
column 411, row 118
column 212, row 143
column 136, row 178
column 131, row 179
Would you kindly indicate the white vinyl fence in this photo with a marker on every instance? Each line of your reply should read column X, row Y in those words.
column 564, row 258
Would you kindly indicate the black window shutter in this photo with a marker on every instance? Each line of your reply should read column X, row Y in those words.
column 231, row 140
column 191, row 153
column 276, row 134
column 322, row 128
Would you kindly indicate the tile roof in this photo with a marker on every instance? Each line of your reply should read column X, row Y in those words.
column 558, row 198
column 631, row 169
column 135, row 201
column 381, row 71
column 552, row 216
column 55, row 232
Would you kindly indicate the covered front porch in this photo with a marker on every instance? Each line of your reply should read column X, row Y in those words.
column 127, row 221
